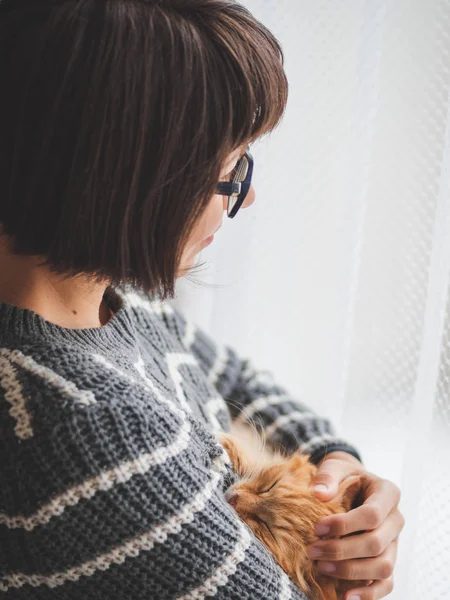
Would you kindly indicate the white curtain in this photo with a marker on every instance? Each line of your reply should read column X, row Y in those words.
column 337, row 278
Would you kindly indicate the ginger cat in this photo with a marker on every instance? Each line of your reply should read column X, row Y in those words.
column 274, row 499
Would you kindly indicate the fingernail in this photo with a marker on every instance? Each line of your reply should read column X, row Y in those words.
column 327, row 567
column 321, row 488
column 313, row 552
column 322, row 530
column 354, row 597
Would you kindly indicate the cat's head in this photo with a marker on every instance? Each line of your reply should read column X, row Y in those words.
column 278, row 497
column 278, row 505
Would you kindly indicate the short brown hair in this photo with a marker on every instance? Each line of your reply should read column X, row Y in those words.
column 116, row 117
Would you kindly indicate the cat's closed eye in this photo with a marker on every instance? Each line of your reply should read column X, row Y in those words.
column 257, row 518
column 264, row 491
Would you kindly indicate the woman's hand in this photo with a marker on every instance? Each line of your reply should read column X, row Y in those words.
column 370, row 555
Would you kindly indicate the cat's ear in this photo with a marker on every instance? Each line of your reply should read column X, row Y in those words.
column 348, row 491
column 234, row 451
column 297, row 462
column 301, row 468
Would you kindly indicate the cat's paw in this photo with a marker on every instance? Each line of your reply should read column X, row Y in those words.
column 235, row 453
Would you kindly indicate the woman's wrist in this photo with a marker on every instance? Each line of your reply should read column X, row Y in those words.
column 340, row 455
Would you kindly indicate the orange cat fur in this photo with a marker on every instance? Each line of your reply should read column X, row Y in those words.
column 274, row 499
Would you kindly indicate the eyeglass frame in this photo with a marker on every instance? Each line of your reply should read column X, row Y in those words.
column 237, row 188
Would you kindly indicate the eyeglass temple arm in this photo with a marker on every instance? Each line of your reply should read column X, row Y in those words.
column 228, row 188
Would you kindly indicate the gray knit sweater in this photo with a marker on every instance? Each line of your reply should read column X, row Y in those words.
column 111, row 480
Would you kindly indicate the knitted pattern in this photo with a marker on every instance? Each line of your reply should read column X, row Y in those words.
column 111, row 480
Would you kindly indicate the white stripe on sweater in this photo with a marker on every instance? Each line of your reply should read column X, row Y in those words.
column 226, row 569
column 174, row 361
column 139, row 366
column 131, row 548
column 14, row 395
column 257, row 376
column 319, row 440
column 285, row 419
column 67, row 387
column 152, row 306
column 214, row 406
column 285, row 586
column 143, row 378
column 14, row 392
column 219, row 365
column 104, row 481
column 259, row 404
column 189, row 333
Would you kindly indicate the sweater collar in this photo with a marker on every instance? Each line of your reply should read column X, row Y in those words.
column 20, row 325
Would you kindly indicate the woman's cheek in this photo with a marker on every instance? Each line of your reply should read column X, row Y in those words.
column 210, row 221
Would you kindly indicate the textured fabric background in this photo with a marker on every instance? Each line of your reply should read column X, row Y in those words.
column 347, row 248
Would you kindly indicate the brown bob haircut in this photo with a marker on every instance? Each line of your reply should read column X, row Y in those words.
column 116, row 117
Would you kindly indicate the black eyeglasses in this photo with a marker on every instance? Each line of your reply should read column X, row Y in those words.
column 238, row 187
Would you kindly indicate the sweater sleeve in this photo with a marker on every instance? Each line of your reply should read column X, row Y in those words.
column 121, row 497
column 253, row 396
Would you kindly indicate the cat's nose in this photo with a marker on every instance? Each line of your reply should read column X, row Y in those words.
column 232, row 498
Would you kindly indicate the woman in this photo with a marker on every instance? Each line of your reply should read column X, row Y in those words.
column 118, row 120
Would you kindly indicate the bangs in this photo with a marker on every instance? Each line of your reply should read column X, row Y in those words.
column 246, row 83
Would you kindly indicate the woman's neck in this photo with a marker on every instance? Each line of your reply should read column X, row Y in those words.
column 75, row 303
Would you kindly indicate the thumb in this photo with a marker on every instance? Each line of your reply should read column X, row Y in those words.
column 326, row 481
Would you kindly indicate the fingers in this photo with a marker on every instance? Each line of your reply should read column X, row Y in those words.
column 371, row 543
column 375, row 591
column 377, row 568
column 329, row 475
column 370, row 555
column 381, row 496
